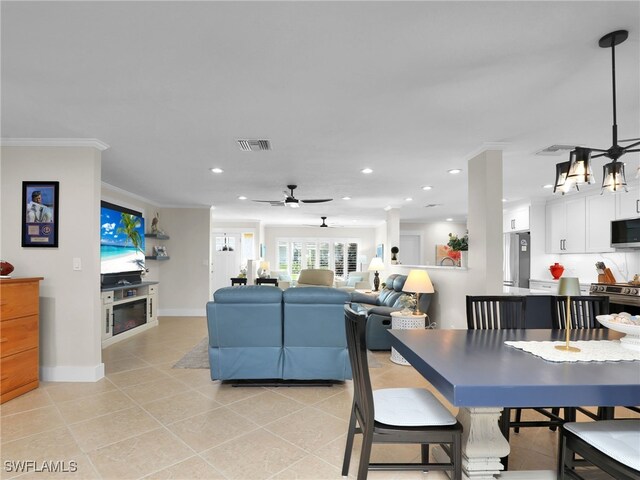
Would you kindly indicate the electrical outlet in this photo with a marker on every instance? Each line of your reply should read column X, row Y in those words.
column 77, row 264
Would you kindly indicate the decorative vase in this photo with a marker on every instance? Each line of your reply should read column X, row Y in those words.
column 556, row 270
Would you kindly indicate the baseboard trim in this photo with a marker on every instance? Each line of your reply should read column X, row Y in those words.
column 182, row 312
column 72, row 374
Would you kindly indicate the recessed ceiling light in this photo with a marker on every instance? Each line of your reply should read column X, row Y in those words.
column 427, row 187
column 387, row 208
column 366, row 170
column 548, row 185
column 346, row 198
column 408, row 199
column 216, row 170
column 453, row 171
column 449, row 219
column 242, row 197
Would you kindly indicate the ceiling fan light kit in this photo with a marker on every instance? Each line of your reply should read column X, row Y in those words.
column 578, row 169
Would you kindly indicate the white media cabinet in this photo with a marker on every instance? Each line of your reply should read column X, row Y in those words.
column 127, row 310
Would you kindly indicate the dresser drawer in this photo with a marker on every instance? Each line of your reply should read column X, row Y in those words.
column 18, row 370
column 18, row 299
column 18, row 334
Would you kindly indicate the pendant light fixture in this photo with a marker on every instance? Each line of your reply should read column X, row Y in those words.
column 579, row 166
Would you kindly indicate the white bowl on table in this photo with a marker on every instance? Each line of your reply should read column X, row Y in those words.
column 631, row 339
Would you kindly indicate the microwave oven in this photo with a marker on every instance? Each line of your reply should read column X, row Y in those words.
column 625, row 233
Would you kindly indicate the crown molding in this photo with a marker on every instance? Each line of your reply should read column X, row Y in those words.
column 54, row 142
column 135, row 196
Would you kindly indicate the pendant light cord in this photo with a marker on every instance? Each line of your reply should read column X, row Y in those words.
column 613, row 81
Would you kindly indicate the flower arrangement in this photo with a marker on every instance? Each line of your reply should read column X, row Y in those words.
column 458, row 244
column 408, row 302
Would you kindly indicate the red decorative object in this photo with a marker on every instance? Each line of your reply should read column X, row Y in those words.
column 556, row 270
column 5, row 268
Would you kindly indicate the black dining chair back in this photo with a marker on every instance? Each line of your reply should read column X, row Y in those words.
column 424, row 420
column 584, row 310
column 495, row 312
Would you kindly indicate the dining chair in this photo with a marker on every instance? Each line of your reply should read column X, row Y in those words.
column 613, row 446
column 584, row 310
column 504, row 312
column 395, row 415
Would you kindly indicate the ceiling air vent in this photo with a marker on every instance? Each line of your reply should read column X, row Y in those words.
column 254, row 145
column 556, row 150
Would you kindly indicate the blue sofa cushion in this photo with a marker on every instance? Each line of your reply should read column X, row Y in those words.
column 245, row 333
column 315, row 345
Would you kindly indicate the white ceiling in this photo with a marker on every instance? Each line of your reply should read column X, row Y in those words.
column 409, row 89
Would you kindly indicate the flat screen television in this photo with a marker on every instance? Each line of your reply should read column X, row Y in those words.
column 121, row 239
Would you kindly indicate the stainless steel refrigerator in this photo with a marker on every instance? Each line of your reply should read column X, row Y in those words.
column 517, row 259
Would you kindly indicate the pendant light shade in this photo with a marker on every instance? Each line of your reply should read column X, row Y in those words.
column 613, row 178
column 580, row 166
column 563, row 182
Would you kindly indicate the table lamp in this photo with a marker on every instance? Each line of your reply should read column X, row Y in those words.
column 569, row 286
column 418, row 282
column 263, row 270
column 375, row 265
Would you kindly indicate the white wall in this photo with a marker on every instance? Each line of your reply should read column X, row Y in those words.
column 70, row 347
column 184, row 278
column 435, row 233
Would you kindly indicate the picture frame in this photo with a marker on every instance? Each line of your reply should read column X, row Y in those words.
column 380, row 251
column 40, row 213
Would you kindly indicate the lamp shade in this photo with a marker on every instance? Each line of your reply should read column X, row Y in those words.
column 418, row 281
column 613, row 178
column 265, row 265
column 569, row 286
column 580, row 166
column 563, row 183
column 376, row 264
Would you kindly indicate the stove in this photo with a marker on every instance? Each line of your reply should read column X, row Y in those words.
column 619, row 293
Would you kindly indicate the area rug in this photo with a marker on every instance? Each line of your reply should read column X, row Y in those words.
column 198, row 357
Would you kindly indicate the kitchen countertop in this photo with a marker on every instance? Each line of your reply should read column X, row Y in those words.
column 523, row 291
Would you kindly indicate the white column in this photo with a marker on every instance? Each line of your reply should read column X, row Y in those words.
column 485, row 223
column 393, row 235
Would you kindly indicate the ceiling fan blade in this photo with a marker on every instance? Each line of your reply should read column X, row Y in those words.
column 317, row 200
column 630, row 140
column 274, row 203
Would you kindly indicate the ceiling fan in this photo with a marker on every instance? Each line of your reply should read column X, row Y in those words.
column 291, row 201
column 323, row 225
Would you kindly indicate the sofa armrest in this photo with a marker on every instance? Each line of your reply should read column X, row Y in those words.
column 358, row 297
column 363, row 285
column 382, row 311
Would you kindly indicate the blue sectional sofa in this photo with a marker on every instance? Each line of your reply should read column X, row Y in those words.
column 378, row 310
column 260, row 332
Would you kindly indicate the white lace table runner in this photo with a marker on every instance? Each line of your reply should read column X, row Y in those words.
column 590, row 351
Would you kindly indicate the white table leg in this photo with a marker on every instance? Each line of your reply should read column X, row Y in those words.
column 482, row 443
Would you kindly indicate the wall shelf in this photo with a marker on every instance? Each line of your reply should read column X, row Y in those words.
column 159, row 236
column 157, row 257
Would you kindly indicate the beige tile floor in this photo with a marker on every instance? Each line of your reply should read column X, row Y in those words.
column 149, row 420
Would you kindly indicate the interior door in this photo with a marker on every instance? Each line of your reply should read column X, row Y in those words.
column 410, row 251
column 226, row 260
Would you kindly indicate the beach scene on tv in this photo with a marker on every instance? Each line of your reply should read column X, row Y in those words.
column 121, row 241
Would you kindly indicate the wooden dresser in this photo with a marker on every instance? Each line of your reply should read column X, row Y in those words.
column 19, row 352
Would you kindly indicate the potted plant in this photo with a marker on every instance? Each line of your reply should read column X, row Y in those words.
column 394, row 252
column 457, row 245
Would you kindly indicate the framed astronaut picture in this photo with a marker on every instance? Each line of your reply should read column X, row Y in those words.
column 40, row 214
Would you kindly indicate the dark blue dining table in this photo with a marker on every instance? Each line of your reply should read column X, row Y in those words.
column 476, row 371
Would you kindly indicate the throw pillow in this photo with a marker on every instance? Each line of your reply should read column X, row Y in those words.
column 353, row 280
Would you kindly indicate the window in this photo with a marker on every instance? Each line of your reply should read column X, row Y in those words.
column 341, row 256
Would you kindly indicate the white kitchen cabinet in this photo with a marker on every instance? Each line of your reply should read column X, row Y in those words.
column 516, row 220
column 551, row 287
column 600, row 210
column 628, row 204
column 566, row 226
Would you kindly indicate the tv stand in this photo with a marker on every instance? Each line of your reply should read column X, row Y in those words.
column 127, row 309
